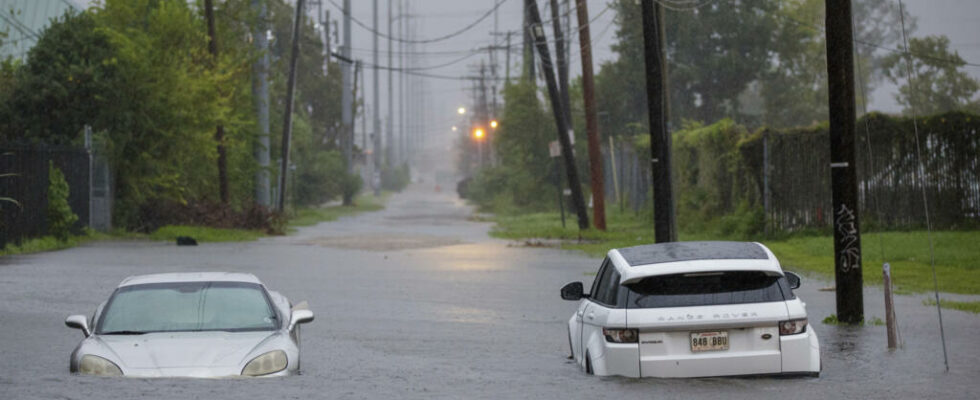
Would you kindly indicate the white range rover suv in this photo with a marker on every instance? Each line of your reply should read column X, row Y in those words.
column 692, row 309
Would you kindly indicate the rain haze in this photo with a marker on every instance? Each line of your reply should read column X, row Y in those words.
column 744, row 199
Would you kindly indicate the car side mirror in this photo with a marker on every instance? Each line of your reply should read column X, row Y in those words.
column 300, row 317
column 573, row 291
column 78, row 322
column 794, row 280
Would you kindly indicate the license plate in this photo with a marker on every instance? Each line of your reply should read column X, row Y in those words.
column 709, row 341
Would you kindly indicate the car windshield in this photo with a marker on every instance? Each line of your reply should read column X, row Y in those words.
column 188, row 306
column 703, row 289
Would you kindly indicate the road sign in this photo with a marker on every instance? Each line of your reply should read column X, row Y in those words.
column 554, row 149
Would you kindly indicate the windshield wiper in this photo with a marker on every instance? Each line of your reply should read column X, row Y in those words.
column 123, row 333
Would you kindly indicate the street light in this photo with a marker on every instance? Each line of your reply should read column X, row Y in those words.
column 454, row 128
column 461, row 110
column 493, row 124
column 479, row 133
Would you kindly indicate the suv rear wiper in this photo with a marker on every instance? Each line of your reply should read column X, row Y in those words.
column 123, row 333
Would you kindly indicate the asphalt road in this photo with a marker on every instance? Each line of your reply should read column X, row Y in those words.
column 416, row 301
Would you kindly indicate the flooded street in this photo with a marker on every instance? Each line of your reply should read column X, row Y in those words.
column 417, row 301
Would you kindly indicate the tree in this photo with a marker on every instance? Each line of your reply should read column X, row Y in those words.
column 523, row 177
column 713, row 53
column 61, row 86
column 793, row 90
column 938, row 82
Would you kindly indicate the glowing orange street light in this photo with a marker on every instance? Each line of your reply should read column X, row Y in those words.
column 493, row 124
column 479, row 133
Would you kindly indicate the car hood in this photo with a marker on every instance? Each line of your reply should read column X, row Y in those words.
column 184, row 349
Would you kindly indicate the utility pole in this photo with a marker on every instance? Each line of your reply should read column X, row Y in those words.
column 507, row 65
column 591, row 121
column 347, row 94
column 359, row 70
column 562, row 60
column 376, row 135
column 660, row 141
column 528, row 44
column 390, row 153
column 260, row 90
column 401, row 74
column 541, row 43
column 287, row 125
column 219, row 134
column 843, row 179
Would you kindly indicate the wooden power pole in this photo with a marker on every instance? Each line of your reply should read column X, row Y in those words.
column 591, row 123
column 660, row 141
column 219, row 134
column 541, row 43
column 843, row 176
column 287, row 125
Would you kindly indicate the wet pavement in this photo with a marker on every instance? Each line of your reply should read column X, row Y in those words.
column 416, row 301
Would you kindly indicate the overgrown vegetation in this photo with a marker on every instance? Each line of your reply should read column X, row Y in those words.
column 61, row 219
column 140, row 74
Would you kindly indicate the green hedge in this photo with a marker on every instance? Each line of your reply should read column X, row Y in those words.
column 719, row 174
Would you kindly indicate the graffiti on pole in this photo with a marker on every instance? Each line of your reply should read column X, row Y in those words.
column 846, row 225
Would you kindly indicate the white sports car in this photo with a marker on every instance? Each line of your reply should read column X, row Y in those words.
column 209, row 324
column 692, row 309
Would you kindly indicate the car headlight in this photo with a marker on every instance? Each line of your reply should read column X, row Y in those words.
column 268, row 363
column 95, row 365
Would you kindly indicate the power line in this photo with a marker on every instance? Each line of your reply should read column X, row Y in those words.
column 922, row 185
column 431, row 40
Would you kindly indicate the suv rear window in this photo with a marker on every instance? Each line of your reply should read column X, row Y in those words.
column 704, row 289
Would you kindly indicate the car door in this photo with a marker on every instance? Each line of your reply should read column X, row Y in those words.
column 596, row 314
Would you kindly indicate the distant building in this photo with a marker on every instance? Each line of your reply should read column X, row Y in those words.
column 22, row 21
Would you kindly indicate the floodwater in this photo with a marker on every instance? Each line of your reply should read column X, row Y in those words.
column 418, row 302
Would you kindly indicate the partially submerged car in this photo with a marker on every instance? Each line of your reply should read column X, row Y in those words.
column 692, row 309
column 210, row 324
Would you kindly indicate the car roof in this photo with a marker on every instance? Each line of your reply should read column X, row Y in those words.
column 190, row 277
column 684, row 251
column 635, row 263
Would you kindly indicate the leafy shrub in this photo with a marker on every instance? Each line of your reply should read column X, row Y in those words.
column 350, row 186
column 318, row 178
column 60, row 217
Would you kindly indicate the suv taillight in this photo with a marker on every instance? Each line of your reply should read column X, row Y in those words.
column 792, row 327
column 614, row 335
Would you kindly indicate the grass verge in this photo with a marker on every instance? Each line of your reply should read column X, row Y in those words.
column 46, row 243
column 314, row 215
column 968, row 306
column 50, row 243
column 300, row 217
column 873, row 321
column 957, row 255
column 205, row 234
